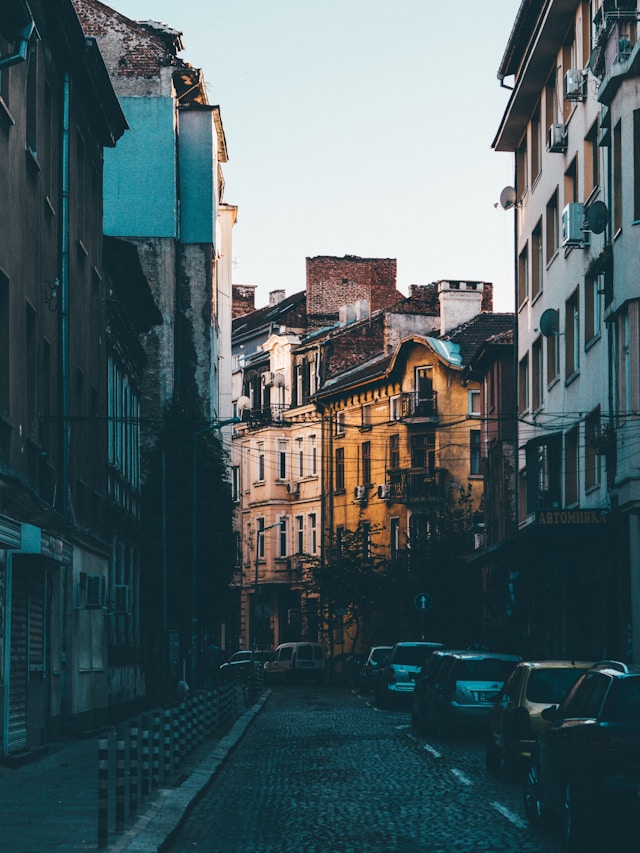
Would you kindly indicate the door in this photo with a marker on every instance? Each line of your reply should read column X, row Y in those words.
column 18, row 658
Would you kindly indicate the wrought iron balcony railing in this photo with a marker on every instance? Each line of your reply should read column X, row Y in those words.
column 417, row 485
column 418, row 407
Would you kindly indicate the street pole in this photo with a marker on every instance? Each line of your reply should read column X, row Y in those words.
column 194, row 538
column 256, row 589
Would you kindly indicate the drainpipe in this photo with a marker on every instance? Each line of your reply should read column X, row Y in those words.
column 22, row 43
column 64, row 301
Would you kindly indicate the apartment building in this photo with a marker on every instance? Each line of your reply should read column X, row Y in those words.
column 571, row 124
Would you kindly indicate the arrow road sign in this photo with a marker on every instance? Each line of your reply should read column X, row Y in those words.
column 423, row 601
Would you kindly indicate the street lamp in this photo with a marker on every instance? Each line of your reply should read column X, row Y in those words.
column 259, row 533
column 194, row 534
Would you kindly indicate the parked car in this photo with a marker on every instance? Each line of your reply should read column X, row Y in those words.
column 425, row 679
column 241, row 662
column 345, row 669
column 462, row 693
column 515, row 720
column 397, row 674
column 297, row 662
column 369, row 671
column 585, row 767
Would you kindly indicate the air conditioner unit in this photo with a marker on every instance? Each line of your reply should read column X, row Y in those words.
column 557, row 141
column 360, row 493
column 267, row 378
column 293, row 488
column 94, row 591
column 574, row 85
column 573, row 225
column 384, row 491
column 121, row 598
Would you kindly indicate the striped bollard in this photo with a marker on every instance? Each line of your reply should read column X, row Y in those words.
column 155, row 752
column 103, row 792
column 145, row 759
column 166, row 752
column 133, row 767
column 119, row 785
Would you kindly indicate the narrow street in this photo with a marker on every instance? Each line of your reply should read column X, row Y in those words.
column 322, row 770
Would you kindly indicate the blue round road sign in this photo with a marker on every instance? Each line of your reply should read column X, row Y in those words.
column 422, row 601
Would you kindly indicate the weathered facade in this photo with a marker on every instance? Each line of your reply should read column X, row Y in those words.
column 57, row 113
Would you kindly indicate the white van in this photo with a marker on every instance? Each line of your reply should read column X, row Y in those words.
column 297, row 662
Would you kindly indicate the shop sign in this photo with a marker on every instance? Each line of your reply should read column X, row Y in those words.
column 572, row 517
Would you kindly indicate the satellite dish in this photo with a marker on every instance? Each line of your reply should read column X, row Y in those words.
column 278, row 380
column 243, row 403
column 549, row 322
column 597, row 217
column 508, row 198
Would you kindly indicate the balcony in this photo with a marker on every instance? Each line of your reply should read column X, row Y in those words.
column 417, row 485
column 415, row 408
column 268, row 416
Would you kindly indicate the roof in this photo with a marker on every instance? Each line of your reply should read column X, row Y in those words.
column 471, row 335
column 262, row 317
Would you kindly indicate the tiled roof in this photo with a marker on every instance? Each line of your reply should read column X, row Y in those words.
column 469, row 336
column 264, row 316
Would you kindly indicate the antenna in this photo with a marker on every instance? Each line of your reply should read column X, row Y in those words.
column 549, row 322
column 508, row 198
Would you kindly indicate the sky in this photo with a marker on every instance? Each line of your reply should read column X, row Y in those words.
column 357, row 127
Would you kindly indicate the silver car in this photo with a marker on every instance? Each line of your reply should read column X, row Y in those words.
column 397, row 676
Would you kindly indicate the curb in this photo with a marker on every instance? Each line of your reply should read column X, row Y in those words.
column 161, row 820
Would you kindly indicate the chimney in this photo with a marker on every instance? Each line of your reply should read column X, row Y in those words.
column 460, row 301
column 243, row 299
column 275, row 296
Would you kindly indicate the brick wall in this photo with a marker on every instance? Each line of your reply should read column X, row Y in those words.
column 334, row 282
column 243, row 300
column 352, row 345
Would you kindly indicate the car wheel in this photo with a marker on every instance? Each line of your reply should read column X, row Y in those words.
column 534, row 796
column 575, row 818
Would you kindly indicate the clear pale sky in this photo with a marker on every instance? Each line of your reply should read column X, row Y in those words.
column 359, row 127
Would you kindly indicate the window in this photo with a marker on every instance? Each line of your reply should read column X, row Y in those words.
column 523, row 276
column 424, row 391
column 537, row 261
column 366, row 462
column 394, row 451
column 523, row 385
column 550, row 107
column 571, row 467
column 617, row 178
column 522, row 169
column 553, row 358
column 282, row 538
column 591, row 161
column 591, row 457
column 593, row 287
column 475, row 453
column 572, row 336
column 260, row 462
column 260, row 535
column 282, row 460
column 636, row 165
column 423, row 451
column 300, row 458
column 313, row 533
column 474, row 403
column 394, row 408
column 553, row 227
column 536, row 144
column 366, row 416
column 340, row 423
column 542, row 479
column 394, row 537
column 299, row 534
column 537, row 388
column 235, row 483
column 571, row 182
column 340, row 469
column 313, row 454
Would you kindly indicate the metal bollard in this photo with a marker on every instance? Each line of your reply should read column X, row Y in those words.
column 155, row 754
column 103, row 792
column 166, row 753
column 133, row 767
column 119, row 785
column 145, row 759
column 176, row 738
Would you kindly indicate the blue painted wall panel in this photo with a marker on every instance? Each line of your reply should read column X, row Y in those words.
column 140, row 173
column 198, row 146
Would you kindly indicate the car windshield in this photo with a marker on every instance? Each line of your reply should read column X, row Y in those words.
column 378, row 655
column 411, row 655
column 549, row 686
column 484, row 669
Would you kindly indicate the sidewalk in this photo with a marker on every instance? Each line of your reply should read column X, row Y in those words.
column 51, row 804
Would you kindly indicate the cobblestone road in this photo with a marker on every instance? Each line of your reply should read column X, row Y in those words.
column 322, row 771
